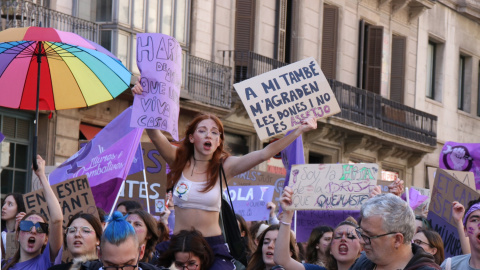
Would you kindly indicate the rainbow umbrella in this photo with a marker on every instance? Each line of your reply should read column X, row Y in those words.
column 47, row 69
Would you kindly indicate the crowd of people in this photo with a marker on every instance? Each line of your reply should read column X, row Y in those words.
column 387, row 234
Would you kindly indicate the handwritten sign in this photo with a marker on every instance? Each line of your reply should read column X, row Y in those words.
column 251, row 201
column 74, row 195
column 11, row 244
column 259, row 178
column 279, row 100
column 465, row 177
column 155, row 170
column 331, row 186
column 447, row 189
column 307, row 220
column 159, row 59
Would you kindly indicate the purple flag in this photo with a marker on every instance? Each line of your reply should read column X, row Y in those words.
column 137, row 163
column 292, row 155
column 159, row 59
column 106, row 160
column 415, row 198
column 462, row 157
column 1, row 137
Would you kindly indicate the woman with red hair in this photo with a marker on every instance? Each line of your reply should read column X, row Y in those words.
column 194, row 173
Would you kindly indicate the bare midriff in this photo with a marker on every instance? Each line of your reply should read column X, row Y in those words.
column 204, row 221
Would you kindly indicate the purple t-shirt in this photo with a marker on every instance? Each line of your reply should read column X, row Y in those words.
column 41, row 262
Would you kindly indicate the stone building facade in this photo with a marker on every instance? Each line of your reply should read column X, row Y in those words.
column 405, row 72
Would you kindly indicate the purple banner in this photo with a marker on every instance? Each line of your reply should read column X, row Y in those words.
column 449, row 234
column 106, row 160
column 251, row 201
column 2, row 137
column 292, row 154
column 462, row 157
column 159, row 59
column 137, row 162
column 307, row 220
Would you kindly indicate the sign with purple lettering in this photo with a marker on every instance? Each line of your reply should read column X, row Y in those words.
column 308, row 220
column 159, row 59
column 461, row 157
column 279, row 100
column 447, row 189
column 332, row 186
column 251, row 201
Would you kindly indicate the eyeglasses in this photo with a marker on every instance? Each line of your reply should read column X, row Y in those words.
column 125, row 267
column 190, row 265
column 368, row 239
column 420, row 242
column 83, row 230
column 204, row 132
column 27, row 225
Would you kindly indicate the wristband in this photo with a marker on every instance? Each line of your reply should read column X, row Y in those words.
column 285, row 223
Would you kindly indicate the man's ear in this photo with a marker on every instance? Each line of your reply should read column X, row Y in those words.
column 398, row 239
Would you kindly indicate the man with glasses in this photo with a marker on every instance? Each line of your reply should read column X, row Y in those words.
column 387, row 226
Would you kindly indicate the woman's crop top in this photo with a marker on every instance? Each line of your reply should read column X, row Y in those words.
column 188, row 194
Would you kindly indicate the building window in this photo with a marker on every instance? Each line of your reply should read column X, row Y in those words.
column 461, row 82
column 123, row 49
column 106, row 39
column 237, row 144
column 138, row 14
column 124, row 11
column 431, row 56
column 370, row 57
column 104, row 11
column 329, row 41
column 397, row 79
column 15, row 156
column 152, row 16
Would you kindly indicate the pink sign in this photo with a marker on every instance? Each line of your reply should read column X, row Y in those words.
column 159, row 59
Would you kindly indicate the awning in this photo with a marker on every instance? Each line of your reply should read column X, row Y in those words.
column 89, row 131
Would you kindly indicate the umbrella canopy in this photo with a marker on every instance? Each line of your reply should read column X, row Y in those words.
column 68, row 70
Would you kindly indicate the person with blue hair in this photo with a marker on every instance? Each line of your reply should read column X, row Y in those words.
column 117, row 247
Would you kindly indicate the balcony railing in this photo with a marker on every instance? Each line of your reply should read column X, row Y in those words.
column 209, row 82
column 367, row 108
column 15, row 14
column 249, row 64
column 358, row 105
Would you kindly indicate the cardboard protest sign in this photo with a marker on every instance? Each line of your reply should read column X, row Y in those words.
column 251, row 201
column 308, row 220
column 74, row 195
column 332, row 186
column 447, row 189
column 278, row 100
column 259, row 178
column 11, row 245
column 465, row 177
column 159, row 59
column 155, row 170
column 461, row 157
column 384, row 185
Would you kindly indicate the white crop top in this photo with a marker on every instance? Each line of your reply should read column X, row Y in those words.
column 188, row 194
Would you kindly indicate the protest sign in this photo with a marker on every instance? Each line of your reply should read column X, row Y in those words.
column 308, row 220
column 447, row 189
column 332, row 186
column 74, row 195
column 11, row 245
column 155, row 170
column 461, row 157
column 292, row 154
column 259, row 178
column 279, row 100
column 159, row 59
column 251, row 201
column 465, row 177
column 384, row 185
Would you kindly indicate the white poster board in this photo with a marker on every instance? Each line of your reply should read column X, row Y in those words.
column 332, row 186
column 279, row 100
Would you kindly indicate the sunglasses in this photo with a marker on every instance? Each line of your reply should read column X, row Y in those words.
column 27, row 225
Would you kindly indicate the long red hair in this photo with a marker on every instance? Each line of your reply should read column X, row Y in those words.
column 186, row 149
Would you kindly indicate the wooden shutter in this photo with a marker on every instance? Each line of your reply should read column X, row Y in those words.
column 244, row 25
column 281, row 25
column 329, row 41
column 397, row 79
column 373, row 68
